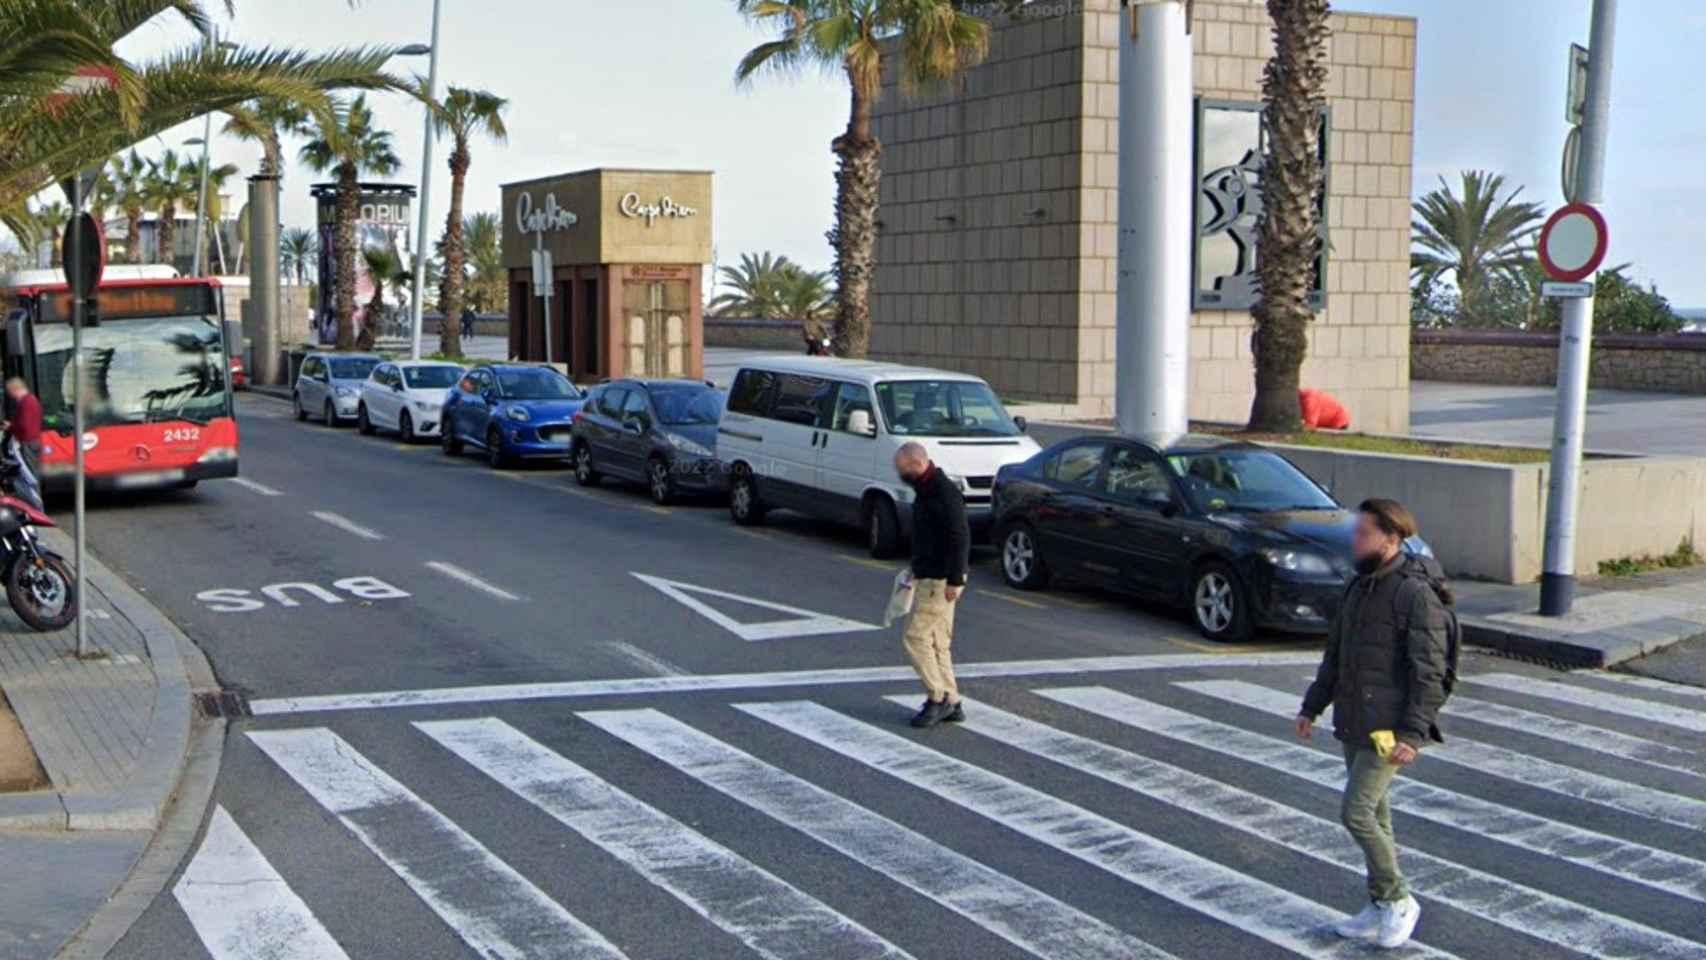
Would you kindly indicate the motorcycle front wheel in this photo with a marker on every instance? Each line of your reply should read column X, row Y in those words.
column 42, row 591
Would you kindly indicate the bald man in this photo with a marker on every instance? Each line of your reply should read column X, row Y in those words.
column 941, row 550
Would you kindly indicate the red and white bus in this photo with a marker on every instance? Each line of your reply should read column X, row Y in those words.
column 155, row 356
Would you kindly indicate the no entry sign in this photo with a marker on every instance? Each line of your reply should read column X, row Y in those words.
column 1572, row 244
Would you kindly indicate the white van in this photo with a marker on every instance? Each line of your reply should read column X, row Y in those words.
column 818, row 435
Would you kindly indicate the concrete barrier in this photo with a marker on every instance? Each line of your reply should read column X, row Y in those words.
column 753, row 334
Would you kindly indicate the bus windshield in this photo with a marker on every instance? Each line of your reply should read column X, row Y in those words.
column 140, row 370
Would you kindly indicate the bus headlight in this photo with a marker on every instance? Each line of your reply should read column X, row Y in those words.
column 218, row 455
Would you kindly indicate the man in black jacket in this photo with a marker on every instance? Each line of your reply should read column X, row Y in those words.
column 1384, row 675
column 941, row 549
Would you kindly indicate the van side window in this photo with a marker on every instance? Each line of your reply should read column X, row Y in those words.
column 802, row 400
column 848, row 398
column 752, row 393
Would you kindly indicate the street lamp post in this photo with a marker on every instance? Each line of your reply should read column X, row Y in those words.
column 425, row 202
column 206, row 142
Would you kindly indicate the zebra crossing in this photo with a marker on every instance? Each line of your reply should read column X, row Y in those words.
column 1069, row 817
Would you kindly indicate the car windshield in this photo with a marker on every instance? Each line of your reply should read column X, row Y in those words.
column 943, row 408
column 429, row 378
column 687, row 406
column 140, row 370
column 1251, row 480
column 535, row 384
column 351, row 368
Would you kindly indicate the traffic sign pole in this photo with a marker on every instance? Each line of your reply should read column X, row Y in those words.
column 1558, row 569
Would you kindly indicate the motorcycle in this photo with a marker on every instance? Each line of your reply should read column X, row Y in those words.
column 39, row 583
column 817, row 348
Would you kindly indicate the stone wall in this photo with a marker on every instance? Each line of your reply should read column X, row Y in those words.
column 996, row 251
column 754, row 334
column 1669, row 364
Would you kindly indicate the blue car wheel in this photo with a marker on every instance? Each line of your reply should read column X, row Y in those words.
column 495, row 454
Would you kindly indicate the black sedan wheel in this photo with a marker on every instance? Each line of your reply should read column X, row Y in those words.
column 585, row 475
column 1022, row 563
column 658, row 481
column 1218, row 604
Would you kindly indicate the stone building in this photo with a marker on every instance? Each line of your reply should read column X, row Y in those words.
column 996, row 251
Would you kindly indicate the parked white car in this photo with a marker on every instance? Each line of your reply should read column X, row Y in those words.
column 818, row 435
column 406, row 397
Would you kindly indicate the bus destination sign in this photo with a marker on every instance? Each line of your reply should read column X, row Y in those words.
column 126, row 303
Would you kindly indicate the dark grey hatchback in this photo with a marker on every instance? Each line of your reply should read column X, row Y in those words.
column 1229, row 529
column 660, row 433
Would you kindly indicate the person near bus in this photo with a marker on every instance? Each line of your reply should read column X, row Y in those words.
column 24, row 424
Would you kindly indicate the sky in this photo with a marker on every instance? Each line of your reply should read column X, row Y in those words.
column 649, row 83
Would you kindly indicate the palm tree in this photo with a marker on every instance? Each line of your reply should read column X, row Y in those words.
column 46, row 224
column 463, row 114
column 347, row 143
column 1288, row 238
column 1477, row 238
column 172, row 184
column 934, row 41
column 267, row 121
column 130, row 186
column 488, row 283
column 298, row 247
column 806, row 296
column 386, row 269
column 756, row 283
column 217, row 178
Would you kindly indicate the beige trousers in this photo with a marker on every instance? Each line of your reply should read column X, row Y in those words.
column 929, row 635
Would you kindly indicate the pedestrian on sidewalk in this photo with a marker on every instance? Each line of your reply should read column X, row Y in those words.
column 1386, row 672
column 23, row 423
column 941, row 550
column 468, row 319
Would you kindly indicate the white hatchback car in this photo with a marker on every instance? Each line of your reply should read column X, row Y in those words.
column 405, row 396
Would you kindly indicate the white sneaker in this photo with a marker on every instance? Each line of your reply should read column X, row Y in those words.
column 1364, row 926
column 1398, row 921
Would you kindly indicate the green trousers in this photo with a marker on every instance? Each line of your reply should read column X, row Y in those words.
column 1367, row 814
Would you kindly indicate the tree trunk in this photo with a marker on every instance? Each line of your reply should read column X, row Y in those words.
column 854, row 235
column 166, row 237
column 133, row 235
column 450, row 293
column 1288, row 237
column 343, row 289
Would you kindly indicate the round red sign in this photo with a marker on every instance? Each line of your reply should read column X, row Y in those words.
column 1572, row 244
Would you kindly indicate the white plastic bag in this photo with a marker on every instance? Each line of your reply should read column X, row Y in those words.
column 900, row 598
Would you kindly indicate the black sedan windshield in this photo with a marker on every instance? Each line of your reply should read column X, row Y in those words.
column 536, row 384
column 687, row 406
column 1254, row 480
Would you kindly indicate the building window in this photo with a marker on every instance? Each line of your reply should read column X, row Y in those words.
column 1229, row 146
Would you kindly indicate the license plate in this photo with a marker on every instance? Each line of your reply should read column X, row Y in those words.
column 557, row 436
column 128, row 481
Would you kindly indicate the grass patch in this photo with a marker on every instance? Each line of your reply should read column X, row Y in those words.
column 1683, row 556
column 1404, row 446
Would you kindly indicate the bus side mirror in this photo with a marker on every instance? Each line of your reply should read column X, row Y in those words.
column 17, row 340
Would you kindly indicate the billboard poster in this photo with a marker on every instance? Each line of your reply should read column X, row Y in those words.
column 382, row 223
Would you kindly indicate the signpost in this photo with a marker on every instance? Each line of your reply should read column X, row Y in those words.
column 1572, row 243
column 85, row 259
column 542, row 285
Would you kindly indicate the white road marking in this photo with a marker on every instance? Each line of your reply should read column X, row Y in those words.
column 1021, row 915
column 1493, row 761
column 1667, row 714
column 346, row 524
column 1479, row 818
column 756, row 907
column 644, row 659
column 570, row 689
column 239, row 905
column 1523, row 909
column 460, row 575
column 802, row 623
column 1660, row 686
column 256, row 487
column 1259, row 909
column 495, row 910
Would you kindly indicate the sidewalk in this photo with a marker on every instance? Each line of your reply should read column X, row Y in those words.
column 1613, row 619
column 111, row 735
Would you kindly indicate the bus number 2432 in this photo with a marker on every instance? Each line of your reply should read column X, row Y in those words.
column 183, row 434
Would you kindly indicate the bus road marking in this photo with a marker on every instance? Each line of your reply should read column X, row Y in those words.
column 256, row 487
column 346, row 524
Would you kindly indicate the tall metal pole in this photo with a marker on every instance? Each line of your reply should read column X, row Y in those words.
column 1153, row 301
column 79, row 311
column 424, row 211
column 1558, row 571
column 211, row 41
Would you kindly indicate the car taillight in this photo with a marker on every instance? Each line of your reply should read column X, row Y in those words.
column 577, row 417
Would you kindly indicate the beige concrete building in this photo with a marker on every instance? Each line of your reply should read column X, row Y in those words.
column 997, row 243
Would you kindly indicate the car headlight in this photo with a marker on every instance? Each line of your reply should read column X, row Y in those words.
column 686, row 446
column 425, row 406
column 518, row 413
column 346, row 393
column 1298, row 561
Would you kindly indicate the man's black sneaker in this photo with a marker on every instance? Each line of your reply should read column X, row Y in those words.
column 930, row 714
column 955, row 714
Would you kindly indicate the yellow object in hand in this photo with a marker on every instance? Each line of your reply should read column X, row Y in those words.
column 1384, row 741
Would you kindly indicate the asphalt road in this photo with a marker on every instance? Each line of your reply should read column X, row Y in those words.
column 480, row 733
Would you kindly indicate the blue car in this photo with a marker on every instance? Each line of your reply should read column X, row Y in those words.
column 511, row 412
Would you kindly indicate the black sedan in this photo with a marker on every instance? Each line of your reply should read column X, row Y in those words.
column 660, row 433
column 1229, row 529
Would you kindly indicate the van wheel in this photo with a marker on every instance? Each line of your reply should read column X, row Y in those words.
column 744, row 504
column 882, row 528
column 1022, row 563
column 1218, row 604
column 585, row 475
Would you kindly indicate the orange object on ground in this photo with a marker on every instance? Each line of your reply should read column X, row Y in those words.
column 1322, row 412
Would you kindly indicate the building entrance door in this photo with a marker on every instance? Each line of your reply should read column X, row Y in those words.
column 657, row 312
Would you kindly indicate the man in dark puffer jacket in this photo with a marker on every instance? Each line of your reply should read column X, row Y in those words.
column 1384, row 674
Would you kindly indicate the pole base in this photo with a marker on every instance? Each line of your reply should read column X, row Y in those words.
column 1557, row 593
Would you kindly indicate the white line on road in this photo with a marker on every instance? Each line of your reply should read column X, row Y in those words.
column 494, row 909
column 569, row 689
column 1512, row 905
column 766, row 913
column 645, row 659
column 1245, row 903
column 255, row 487
column 346, row 524
column 1581, row 696
column 460, row 575
column 1021, row 915
column 241, row 908
column 1648, row 683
